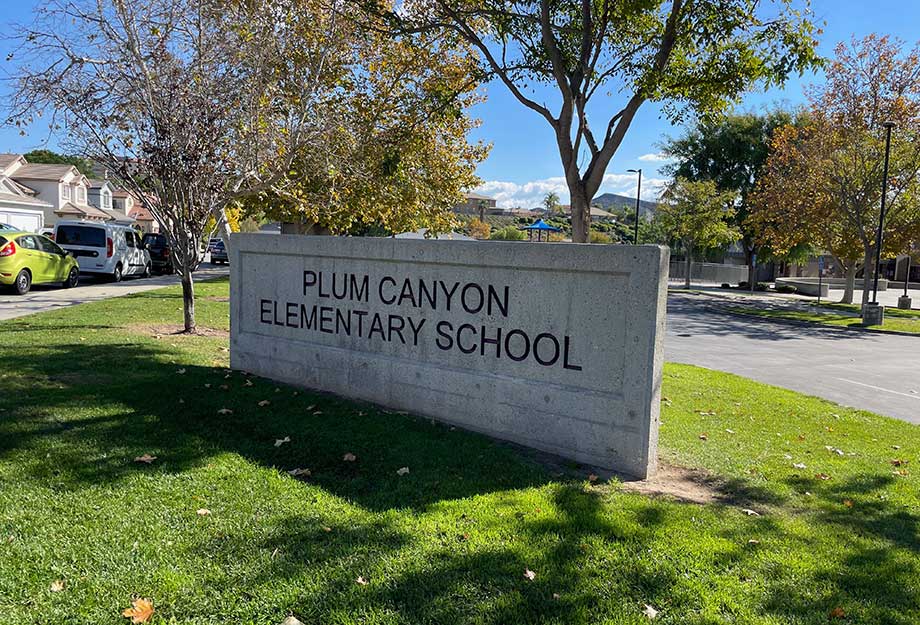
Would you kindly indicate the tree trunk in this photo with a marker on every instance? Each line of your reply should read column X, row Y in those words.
column 688, row 265
column 581, row 215
column 868, row 272
column 188, row 300
column 850, row 284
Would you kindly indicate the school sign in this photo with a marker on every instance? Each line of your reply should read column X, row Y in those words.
column 552, row 346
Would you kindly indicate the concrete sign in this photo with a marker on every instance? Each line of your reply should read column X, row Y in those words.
column 552, row 346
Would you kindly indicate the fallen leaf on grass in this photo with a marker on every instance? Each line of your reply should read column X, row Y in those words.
column 299, row 472
column 224, row 411
column 361, row 581
column 750, row 512
column 799, row 465
column 896, row 447
column 402, row 471
column 264, row 403
column 281, row 441
column 224, row 387
column 848, row 503
column 822, row 476
column 704, row 437
column 729, row 431
column 557, row 596
column 528, row 574
column 897, row 462
column 592, row 478
column 57, row 585
column 140, row 611
column 181, row 401
column 146, row 459
column 327, row 529
column 753, row 541
column 203, row 512
column 316, row 413
column 207, row 386
column 181, row 371
column 247, row 382
column 649, row 611
column 349, row 457
column 837, row 613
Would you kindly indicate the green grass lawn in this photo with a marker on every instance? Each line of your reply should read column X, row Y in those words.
column 841, row 315
column 85, row 390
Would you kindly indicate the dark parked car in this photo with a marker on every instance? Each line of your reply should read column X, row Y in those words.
column 218, row 251
column 158, row 247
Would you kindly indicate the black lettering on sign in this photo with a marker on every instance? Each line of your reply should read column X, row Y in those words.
column 343, row 320
column 359, row 290
column 309, row 279
column 377, row 326
column 384, row 280
column 265, row 308
column 290, row 315
column 449, row 294
column 553, row 350
column 472, row 303
column 500, row 302
column 308, row 322
column 407, row 294
column 325, row 319
column 485, row 340
column 522, row 355
column 445, row 340
column 565, row 356
column 277, row 320
column 416, row 329
column 396, row 324
column 361, row 314
column 472, row 348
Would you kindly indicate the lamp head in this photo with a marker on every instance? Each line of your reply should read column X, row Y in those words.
column 889, row 124
column 634, row 171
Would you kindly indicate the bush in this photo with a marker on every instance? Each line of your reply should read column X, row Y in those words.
column 725, row 285
column 508, row 233
column 479, row 229
column 761, row 286
column 785, row 288
column 744, row 284
column 599, row 237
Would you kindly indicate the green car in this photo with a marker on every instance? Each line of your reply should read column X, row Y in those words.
column 27, row 258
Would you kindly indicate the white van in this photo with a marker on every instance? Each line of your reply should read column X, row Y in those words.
column 102, row 248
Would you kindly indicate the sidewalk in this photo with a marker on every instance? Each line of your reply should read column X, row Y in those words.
column 888, row 298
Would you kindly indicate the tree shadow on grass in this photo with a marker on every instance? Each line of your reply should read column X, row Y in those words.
column 590, row 549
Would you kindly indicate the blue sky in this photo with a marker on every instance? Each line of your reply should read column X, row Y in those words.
column 524, row 165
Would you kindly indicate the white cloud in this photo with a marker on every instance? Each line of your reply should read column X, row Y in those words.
column 660, row 157
column 531, row 194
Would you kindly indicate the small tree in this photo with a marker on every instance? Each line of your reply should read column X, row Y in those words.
column 551, row 203
column 696, row 214
column 49, row 157
column 508, row 233
column 480, row 229
column 190, row 104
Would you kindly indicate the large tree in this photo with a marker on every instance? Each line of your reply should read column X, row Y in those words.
column 697, row 215
column 190, row 104
column 697, row 54
column 398, row 157
column 823, row 182
column 730, row 151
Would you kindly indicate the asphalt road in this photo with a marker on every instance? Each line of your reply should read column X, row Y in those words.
column 865, row 370
column 43, row 297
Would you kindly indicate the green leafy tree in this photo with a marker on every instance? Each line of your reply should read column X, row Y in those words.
column 697, row 215
column 53, row 158
column 508, row 233
column 551, row 203
column 697, row 55
column 730, row 151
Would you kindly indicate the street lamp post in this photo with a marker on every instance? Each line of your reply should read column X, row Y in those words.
column 875, row 314
column 638, row 195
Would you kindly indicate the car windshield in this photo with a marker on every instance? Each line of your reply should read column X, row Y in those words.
column 154, row 239
column 80, row 235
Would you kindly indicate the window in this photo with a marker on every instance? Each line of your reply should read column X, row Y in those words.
column 65, row 192
column 80, row 235
column 81, row 195
column 129, row 239
column 106, row 200
column 28, row 242
column 47, row 245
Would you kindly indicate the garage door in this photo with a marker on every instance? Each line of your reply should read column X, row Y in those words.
column 29, row 221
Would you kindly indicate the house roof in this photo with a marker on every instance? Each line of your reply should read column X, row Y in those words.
column 478, row 196
column 25, row 200
column 8, row 159
column 43, row 171
column 88, row 211
column 141, row 214
column 98, row 183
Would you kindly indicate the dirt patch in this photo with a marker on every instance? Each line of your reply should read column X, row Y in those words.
column 175, row 331
column 217, row 298
column 680, row 483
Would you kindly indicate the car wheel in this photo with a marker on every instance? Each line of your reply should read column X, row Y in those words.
column 116, row 277
column 73, row 278
column 23, row 282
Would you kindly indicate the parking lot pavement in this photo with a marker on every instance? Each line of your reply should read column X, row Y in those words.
column 43, row 297
column 865, row 370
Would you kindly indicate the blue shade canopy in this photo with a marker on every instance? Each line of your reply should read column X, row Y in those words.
column 541, row 225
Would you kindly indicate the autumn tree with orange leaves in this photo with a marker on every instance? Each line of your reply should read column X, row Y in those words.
column 822, row 184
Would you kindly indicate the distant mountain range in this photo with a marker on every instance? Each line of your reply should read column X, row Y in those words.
column 614, row 201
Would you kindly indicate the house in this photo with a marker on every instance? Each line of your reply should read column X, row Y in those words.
column 62, row 189
column 101, row 195
column 473, row 203
column 19, row 207
column 143, row 217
